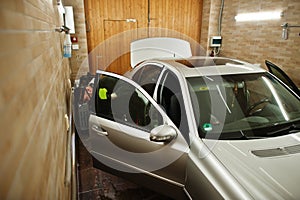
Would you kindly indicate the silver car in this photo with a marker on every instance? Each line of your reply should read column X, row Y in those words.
column 199, row 128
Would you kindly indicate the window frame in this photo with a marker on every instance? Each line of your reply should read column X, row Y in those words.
column 162, row 115
column 137, row 76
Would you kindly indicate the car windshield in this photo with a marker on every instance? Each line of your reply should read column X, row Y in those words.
column 243, row 106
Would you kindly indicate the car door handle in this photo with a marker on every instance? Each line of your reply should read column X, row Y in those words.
column 99, row 131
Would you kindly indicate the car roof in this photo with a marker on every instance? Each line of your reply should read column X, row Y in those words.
column 209, row 66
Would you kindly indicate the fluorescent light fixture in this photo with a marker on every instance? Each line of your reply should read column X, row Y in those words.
column 258, row 16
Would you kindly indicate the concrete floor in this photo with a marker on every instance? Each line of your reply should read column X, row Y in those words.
column 97, row 184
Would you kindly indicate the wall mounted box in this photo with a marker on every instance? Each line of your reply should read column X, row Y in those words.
column 69, row 19
column 215, row 41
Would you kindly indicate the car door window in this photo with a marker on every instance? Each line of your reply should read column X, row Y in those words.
column 282, row 76
column 120, row 101
column 170, row 97
column 147, row 77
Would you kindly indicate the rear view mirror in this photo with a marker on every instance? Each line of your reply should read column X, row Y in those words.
column 163, row 133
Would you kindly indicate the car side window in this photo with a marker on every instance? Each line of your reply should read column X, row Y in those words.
column 147, row 77
column 170, row 97
column 120, row 101
column 274, row 69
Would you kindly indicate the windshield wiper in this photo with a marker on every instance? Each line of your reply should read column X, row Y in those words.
column 243, row 136
column 293, row 128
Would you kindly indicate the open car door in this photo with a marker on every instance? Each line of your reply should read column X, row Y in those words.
column 282, row 76
column 129, row 132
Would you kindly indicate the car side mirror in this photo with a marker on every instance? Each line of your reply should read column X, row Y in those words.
column 163, row 133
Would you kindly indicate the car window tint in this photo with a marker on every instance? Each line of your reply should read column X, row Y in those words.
column 137, row 75
column 103, row 93
column 119, row 101
column 251, row 104
column 147, row 77
column 170, row 98
column 274, row 69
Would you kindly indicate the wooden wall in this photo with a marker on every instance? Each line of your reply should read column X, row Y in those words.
column 100, row 13
column 135, row 19
column 181, row 16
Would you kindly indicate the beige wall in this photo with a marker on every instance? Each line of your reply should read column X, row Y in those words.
column 33, row 85
column 79, row 62
column 256, row 41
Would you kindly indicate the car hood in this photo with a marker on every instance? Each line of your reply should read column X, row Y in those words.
column 266, row 168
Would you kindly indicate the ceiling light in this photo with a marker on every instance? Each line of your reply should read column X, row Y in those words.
column 258, row 16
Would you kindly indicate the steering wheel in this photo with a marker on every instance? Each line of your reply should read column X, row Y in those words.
column 264, row 100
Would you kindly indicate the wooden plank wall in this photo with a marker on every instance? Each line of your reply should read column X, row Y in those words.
column 117, row 50
column 107, row 18
column 177, row 18
column 181, row 16
column 97, row 11
column 104, row 19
